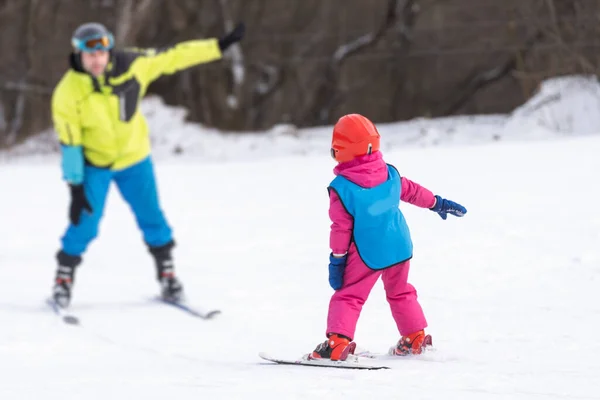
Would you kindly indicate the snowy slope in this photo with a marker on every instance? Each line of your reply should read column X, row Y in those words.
column 510, row 291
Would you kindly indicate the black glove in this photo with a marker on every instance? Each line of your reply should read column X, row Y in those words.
column 78, row 203
column 234, row 36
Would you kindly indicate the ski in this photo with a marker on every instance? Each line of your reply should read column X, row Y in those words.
column 380, row 356
column 305, row 361
column 66, row 317
column 189, row 309
column 390, row 354
column 427, row 347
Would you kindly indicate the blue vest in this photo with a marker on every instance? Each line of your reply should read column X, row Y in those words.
column 380, row 232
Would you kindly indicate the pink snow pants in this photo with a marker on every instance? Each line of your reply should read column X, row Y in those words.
column 346, row 303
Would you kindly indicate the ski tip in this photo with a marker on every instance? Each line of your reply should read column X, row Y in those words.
column 62, row 313
column 267, row 357
column 50, row 302
column 212, row 314
column 71, row 320
column 183, row 306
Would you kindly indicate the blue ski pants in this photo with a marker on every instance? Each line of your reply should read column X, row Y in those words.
column 137, row 185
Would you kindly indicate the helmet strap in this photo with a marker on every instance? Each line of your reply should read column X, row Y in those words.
column 75, row 61
column 370, row 150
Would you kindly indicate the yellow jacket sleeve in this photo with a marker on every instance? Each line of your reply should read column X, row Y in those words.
column 174, row 59
column 65, row 117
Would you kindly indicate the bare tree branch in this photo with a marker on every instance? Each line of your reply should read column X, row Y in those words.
column 479, row 80
column 326, row 95
column 17, row 121
column 25, row 87
column 556, row 34
column 3, row 123
column 406, row 33
column 236, row 59
column 132, row 18
column 271, row 79
column 124, row 24
column 12, row 8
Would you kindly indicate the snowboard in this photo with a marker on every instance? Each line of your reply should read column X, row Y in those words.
column 352, row 363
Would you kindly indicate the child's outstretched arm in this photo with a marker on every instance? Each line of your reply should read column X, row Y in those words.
column 416, row 194
column 341, row 226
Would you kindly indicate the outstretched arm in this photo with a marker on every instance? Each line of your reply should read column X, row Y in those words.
column 187, row 54
column 179, row 57
column 416, row 194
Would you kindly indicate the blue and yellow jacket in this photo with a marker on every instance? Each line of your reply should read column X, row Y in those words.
column 98, row 120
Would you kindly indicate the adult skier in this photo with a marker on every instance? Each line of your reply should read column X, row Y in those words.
column 104, row 138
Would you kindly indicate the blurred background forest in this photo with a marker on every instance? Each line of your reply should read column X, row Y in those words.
column 306, row 62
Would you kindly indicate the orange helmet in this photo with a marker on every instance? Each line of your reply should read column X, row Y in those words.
column 353, row 136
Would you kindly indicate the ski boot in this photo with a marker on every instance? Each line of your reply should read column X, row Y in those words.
column 171, row 287
column 414, row 343
column 65, row 277
column 336, row 348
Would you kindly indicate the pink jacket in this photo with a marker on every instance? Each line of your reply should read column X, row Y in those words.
column 367, row 171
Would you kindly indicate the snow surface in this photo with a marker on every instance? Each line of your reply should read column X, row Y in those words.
column 510, row 290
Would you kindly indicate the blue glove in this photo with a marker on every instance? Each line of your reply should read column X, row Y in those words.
column 444, row 207
column 337, row 265
column 72, row 164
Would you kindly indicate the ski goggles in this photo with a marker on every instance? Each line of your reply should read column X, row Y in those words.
column 94, row 43
column 332, row 152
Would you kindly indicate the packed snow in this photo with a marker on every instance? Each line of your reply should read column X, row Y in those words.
column 510, row 291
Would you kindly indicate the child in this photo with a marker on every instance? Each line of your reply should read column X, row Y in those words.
column 370, row 238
